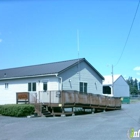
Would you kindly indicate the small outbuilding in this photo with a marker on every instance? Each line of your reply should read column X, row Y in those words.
column 116, row 86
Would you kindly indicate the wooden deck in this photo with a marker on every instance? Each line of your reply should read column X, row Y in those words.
column 55, row 102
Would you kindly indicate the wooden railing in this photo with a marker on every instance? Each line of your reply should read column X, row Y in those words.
column 75, row 98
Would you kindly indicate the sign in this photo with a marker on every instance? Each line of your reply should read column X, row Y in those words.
column 22, row 97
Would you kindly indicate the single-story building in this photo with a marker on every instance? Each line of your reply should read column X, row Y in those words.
column 119, row 88
column 77, row 74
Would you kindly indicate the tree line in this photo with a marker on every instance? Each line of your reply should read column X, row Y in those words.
column 134, row 85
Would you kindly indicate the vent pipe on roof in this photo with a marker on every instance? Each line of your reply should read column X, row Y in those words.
column 5, row 74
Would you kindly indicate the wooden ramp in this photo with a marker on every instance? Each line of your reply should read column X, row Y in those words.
column 55, row 102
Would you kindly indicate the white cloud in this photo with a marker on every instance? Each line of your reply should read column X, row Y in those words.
column 137, row 68
column 0, row 40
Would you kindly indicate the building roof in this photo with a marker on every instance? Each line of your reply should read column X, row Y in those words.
column 42, row 69
column 108, row 79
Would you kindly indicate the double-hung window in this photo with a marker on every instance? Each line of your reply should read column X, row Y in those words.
column 45, row 86
column 83, row 87
column 31, row 86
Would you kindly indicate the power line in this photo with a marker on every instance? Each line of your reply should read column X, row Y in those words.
column 128, row 33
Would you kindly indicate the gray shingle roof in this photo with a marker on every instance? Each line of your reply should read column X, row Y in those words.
column 42, row 69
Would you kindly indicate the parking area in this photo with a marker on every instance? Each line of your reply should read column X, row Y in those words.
column 112, row 125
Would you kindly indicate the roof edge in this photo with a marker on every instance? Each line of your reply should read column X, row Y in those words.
column 81, row 60
column 32, row 65
column 94, row 69
column 33, row 76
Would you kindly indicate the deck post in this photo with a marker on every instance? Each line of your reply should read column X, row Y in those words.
column 53, row 112
column 62, row 98
column 40, row 105
column 74, row 97
column 84, row 109
column 73, row 111
column 92, row 110
column 63, row 112
column 50, row 97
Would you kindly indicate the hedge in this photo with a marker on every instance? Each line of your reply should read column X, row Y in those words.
column 17, row 110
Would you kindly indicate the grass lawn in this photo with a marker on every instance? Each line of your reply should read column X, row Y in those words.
column 135, row 100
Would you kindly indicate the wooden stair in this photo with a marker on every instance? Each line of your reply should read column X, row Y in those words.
column 46, row 112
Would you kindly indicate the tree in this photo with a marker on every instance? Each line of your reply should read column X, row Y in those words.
column 133, row 84
column 136, row 83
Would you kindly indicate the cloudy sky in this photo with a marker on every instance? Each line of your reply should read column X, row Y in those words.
column 35, row 32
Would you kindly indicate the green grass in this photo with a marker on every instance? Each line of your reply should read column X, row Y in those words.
column 134, row 100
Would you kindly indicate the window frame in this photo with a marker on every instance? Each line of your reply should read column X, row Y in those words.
column 83, row 87
column 32, row 86
column 29, row 86
column 45, row 86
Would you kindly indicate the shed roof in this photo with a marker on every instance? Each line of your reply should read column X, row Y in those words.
column 42, row 69
column 108, row 79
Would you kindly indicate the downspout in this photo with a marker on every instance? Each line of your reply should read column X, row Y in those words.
column 60, row 81
column 61, row 91
column 61, row 94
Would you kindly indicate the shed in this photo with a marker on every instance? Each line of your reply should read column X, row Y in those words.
column 119, row 88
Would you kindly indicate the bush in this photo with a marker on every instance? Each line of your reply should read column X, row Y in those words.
column 16, row 110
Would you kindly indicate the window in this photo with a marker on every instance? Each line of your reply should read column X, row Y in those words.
column 106, row 90
column 31, row 86
column 6, row 85
column 34, row 87
column 45, row 86
column 83, row 87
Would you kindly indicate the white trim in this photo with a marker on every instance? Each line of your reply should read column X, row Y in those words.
column 27, row 77
column 44, row 80
column 43, row 85
column 61, row 80
column 32, row 86
column 83, row 85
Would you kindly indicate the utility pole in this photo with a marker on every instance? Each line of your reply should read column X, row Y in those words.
column 112, row 80
column 78, row 49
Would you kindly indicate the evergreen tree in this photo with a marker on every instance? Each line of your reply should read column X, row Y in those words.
column 133, row 84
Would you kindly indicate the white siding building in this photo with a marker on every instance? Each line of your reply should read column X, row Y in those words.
column 75, row 74
column 32, row 85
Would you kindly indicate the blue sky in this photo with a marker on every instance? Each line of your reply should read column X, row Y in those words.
column 35, row 32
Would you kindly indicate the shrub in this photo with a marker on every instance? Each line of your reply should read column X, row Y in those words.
column 16, row 110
